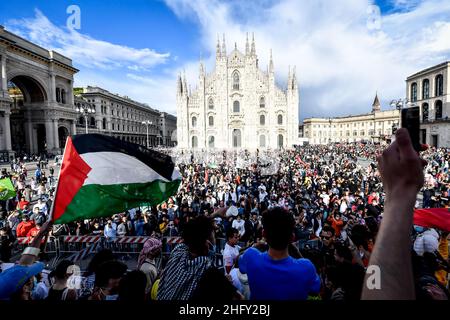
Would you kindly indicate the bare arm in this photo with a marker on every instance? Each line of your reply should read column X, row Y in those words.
column 401, row 171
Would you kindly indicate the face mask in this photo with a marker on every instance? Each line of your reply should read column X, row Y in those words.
column 419, row 229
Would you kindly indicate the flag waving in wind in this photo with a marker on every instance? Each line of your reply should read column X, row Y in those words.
column 7, row 190
column 101, row 176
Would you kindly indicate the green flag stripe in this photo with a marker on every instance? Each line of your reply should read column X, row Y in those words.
column 94, row 201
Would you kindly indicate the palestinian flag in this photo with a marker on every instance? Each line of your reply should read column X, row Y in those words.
column 101, row 176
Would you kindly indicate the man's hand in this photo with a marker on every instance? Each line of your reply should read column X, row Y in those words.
column 400, row 166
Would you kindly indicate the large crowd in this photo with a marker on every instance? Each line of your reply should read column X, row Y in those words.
column 315, row 210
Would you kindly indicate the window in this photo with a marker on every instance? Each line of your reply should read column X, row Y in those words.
column 210, row 104
column 235, row 80
column 280, row 141
column 92, row 122
column 414, row 92
column 280, row 119
column 425, row 112
column 211, row 142
column 211, row 121
column 262, row 141
column 362, row 132
column 104, row 124
column 355, row 133
column 439, row 89
column 58, row 95
column 236, row 138
column 81, row 120
column 262, row 120
column 194, row 122
column 426, row 89
column 63, row 96
column 438, row 107
column 236, row 106
column 262, row 102
column 194, row 142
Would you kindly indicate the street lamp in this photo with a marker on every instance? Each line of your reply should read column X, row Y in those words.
column 147, row 123
column 329, row 138
column 85, row 110
column 399, row 105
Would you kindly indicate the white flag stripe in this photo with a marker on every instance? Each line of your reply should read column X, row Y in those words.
column 109, row 168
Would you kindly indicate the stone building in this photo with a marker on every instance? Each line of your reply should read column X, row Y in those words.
column 374, row 126
column 122, row 117
column 430, row 90
column 237, row 105
column 38, row 107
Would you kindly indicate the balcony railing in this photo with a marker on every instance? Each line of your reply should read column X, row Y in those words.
column 440, row 120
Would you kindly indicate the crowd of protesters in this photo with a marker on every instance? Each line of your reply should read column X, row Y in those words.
column 297, row 224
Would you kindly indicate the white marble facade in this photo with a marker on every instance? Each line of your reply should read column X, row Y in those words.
column 237, row 105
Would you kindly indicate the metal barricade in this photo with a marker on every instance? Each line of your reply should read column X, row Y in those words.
column 74, row 244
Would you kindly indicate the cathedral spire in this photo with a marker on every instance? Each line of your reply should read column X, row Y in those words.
column 247, row 46
column 201, row 67
column 271, row 62
column 179, row 84
column 184, row 82
column 224, row 49
column 294, row 78
column 376, row 106
column 253, row 44
column 235, row 46
column 218, row 47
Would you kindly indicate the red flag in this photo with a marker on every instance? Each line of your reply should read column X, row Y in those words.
column 438, row 218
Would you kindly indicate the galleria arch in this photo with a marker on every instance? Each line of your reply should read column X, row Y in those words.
column 36, row 97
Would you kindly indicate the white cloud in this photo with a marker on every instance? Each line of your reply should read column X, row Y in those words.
column 83, row 49
column 340, row 62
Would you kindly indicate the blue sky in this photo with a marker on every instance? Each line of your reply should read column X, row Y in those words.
column 343, row 51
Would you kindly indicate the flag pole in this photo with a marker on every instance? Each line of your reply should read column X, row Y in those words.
column 52, row 208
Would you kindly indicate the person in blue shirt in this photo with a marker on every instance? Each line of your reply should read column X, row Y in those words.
column 139, row 226
column 274, row 275
column 38, row 174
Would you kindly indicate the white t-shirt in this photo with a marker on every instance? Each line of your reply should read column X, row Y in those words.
column 230, row 254
column 239, row 225
column 343, row 207
column 326, row 198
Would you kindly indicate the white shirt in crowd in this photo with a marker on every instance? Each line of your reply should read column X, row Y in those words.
column 230, row 254
column 343, row 206
column 326, row 198
column 42, row 207
column 239, row 225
